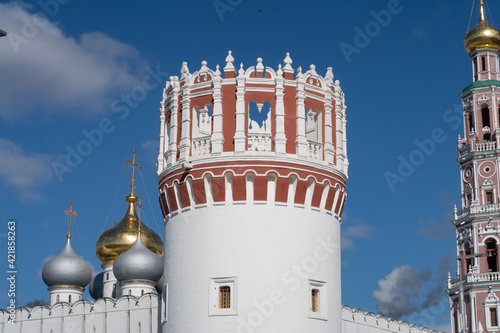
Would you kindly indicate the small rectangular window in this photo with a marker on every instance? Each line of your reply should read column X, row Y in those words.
column 489, row 197
column 164, row 303
column 318, row 306
column 493, row 317
column 223, row 296
column 483, row 63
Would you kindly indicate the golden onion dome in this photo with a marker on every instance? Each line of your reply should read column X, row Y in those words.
column 482, row 35
column 120, row 237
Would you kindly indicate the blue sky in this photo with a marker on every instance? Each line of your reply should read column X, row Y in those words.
column 70, row 68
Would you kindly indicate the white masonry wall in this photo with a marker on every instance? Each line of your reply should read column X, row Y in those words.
column 124, row 315
column 358, row 321
column 273, row 254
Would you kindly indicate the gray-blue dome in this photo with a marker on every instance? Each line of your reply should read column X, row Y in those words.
column 67, row 269
column 138, row 263
column 95, row 285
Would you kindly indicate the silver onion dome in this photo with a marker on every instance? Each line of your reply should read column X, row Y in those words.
column 138, row 263
column 67, row 269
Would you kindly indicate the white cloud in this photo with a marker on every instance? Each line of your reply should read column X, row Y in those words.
column 24, row 172
column 405, row 291
column 394, row 299
column 45, row 70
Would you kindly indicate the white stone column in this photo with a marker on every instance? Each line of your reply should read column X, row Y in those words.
column 240, row 134
column 339, row 136
column 344, row 142
column 475, row 199
column 473, row 312
column 185, row 144
column 161, row 155
column 217, row 133
column 339, row 126
column 452, row 317
column 301, row 141
column 328, row 140
column 172, row 149
column 494, row 113
column 280, row 138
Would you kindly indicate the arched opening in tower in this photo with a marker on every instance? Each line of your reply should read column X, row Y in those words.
column 485, row 115
column 491, row 249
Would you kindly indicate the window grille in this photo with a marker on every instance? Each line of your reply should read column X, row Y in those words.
column 493, row 317
column 225, row 297
column 315, row 300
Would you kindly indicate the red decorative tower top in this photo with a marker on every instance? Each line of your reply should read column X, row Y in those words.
column 255, row 120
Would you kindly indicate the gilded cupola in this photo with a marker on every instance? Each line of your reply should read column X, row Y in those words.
column 483, row 35
column 121, row 236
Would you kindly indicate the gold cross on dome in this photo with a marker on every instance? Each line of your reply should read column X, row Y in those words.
column 70, row 213
column 141, row 207
column 133, row 164
column 482, row 17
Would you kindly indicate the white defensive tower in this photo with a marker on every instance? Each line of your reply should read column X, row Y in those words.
column 252, row 171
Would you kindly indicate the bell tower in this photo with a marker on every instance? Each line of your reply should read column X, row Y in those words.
column 252, row 174
column 474, row 293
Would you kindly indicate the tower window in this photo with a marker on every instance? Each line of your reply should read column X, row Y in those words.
column 315, row 300
column 489, row 197
column 318, row 302
column 468, row 261
column 491, row 250
column 483, row 62
column 471, row 121
column 224, row 297
column 485, row 113
column 164, row 303
column 223, row 293
column 491, row 304
column 493, row 317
